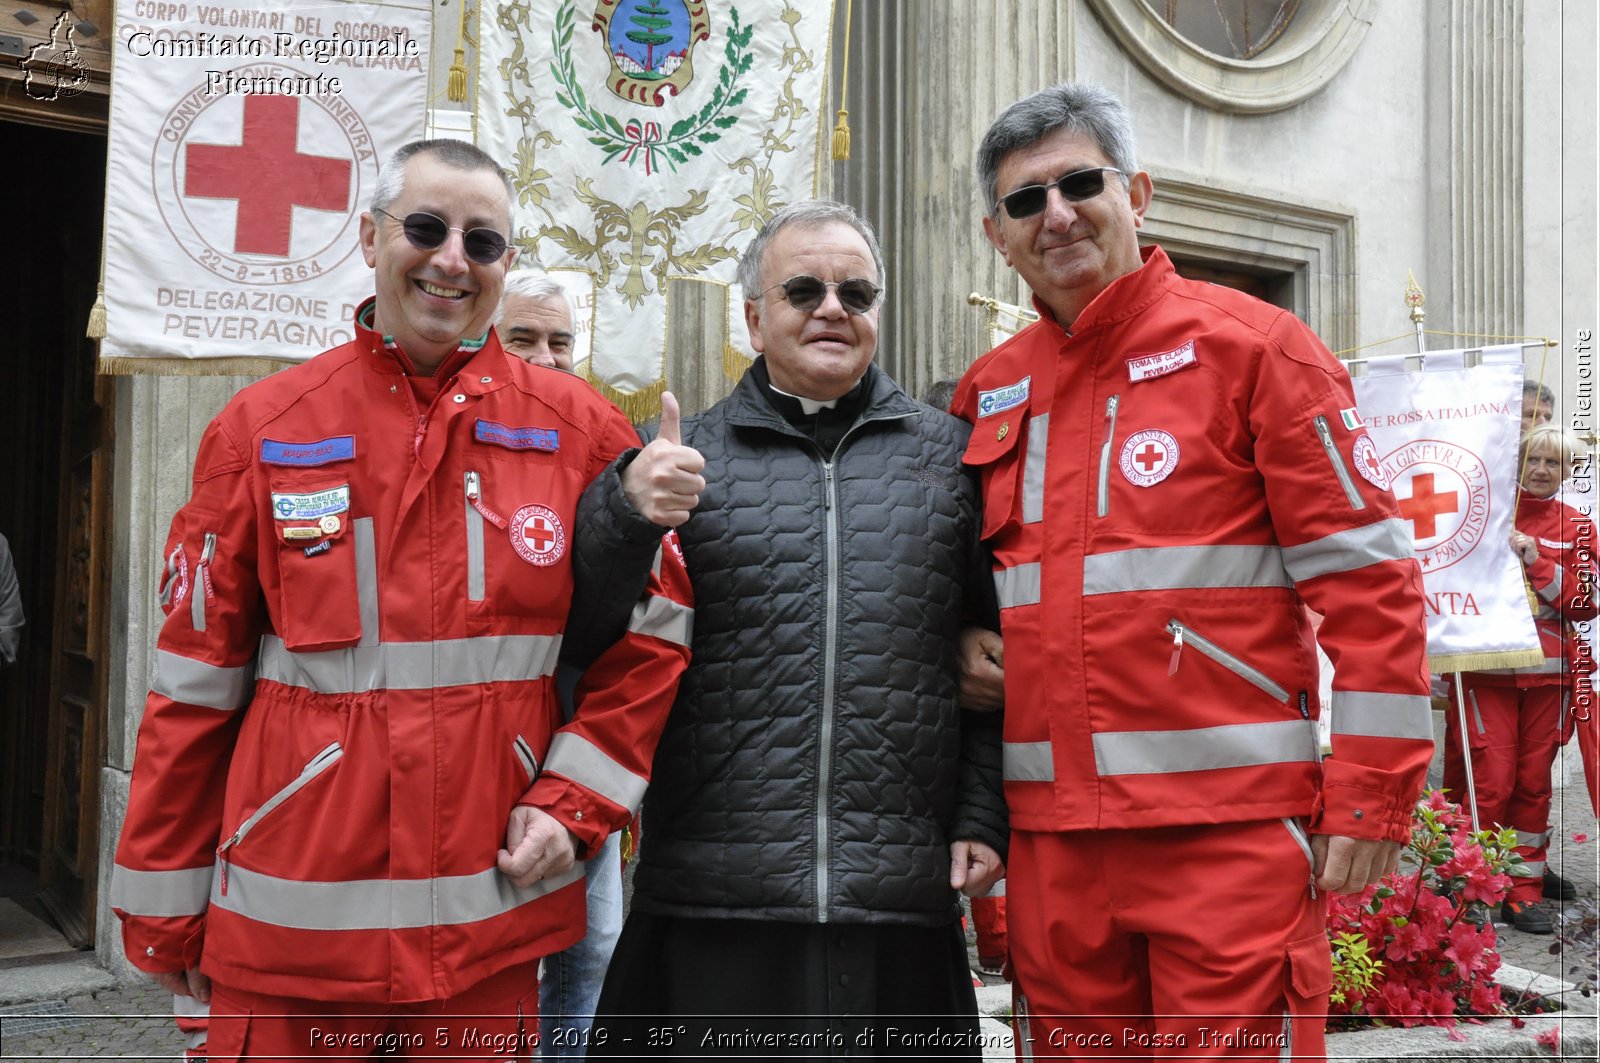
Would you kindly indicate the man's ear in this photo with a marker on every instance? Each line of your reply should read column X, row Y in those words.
column 1140, row 189
column 369, row 239
column 752, row 324
column 997, row 237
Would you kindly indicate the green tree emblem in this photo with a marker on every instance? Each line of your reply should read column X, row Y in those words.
column 649, row 18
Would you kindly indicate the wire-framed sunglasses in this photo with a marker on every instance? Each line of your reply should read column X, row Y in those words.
column 856, row 294
column 427, row 231
column 1074, row 187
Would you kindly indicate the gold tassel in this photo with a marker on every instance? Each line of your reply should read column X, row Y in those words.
column 456, row 88
column 97, row 315
column 456, row 85
column 734, row 362
column 841, row 128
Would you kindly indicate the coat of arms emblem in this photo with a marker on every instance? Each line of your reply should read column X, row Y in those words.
column 651, row 45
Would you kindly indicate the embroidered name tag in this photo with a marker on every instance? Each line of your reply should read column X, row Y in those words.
column 1146, row 366
column 312, row 506
column 334, row 448
column 999, row 400
column 501, row 435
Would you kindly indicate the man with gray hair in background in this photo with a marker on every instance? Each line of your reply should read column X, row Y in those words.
column 1171, row 472
column 536, row 321
column 818, row 797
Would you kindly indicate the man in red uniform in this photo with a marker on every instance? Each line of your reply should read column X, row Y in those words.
column 355, row 808
column 1171, row 471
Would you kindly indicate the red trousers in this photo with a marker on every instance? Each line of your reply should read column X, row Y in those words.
column 497, row 1019
column 1199, row 941
column 1514, row 734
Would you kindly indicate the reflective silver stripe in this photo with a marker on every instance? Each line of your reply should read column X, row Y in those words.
column 161, row 894
column 475, row 579
column 1348, row 550
column 367, row 579
column 411, row 665
column 1033, row 470
column 1235, row 745
column 1157, row 568
column 1027, row 762
column 655, row 566
column 664, row 619
column 1527, row 869
column 380, row 904
column 1375, row 715
column 1286, row 1037
column 197, row 683
column 583, row 762
column 1472, row 695
column 1019, row 585
column 1551, row 591
column 1532, row 841
column 997, row 890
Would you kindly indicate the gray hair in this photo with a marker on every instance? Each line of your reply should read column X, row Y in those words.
column 808, row 213
column 1083, row 109
column 1554, row 437
column 1533, row 387
column 456, row 153
column 534, row 284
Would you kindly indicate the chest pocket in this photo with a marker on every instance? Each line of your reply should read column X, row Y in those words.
column 327, row 566
column 998, row 450
column 517, row 534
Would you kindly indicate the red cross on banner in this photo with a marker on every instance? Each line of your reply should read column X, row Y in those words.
column 1425, row 507
column 268, row 174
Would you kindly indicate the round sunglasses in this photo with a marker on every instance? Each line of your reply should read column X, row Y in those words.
column 856, row 294
column 428, row 231
column 1074, row 187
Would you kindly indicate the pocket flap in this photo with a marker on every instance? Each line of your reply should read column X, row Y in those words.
column 1311, row 966
column 995, row 437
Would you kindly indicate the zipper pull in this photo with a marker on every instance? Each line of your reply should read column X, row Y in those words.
column 422, row 430
column 1177, row 646
column 204, row 567
column 827, row 486
column 1111, row 406
column 475, row 499
column 222, row 854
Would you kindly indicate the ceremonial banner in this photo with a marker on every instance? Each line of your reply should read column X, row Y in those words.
column 245, row 142
column 649, row 140
column 1445, row 439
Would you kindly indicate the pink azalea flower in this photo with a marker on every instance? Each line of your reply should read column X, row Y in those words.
column 1550, row 1038
column 1580, row 838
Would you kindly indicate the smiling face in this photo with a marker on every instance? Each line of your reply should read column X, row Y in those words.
column 537, row 329
column 1543, row 470
column 819, row 353
column 430, row 300
column 1068, row 252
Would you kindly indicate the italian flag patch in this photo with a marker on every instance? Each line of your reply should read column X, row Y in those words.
column 1352, row 419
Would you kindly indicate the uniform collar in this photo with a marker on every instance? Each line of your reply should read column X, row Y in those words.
column 478, row 364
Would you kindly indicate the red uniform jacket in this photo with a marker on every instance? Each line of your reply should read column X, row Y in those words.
column 1163, row 487
column 365, row 602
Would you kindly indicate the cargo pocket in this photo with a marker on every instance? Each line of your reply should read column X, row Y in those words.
column 327, row 582
column 1308, row 977
column 228, row 1032
column 996, row 450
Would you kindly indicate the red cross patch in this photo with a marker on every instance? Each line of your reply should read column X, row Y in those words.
column 1148, row 457
column 537, row 535
column 1367, row 463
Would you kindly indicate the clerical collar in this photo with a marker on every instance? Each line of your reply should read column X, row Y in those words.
column 807, row 406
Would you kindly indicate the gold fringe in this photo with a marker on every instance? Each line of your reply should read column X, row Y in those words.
column 97, row 315
column 640, row 406
column 841, row 137
column 456, row 86
column 256, row 367
column 627, row 844
column 734, row 363
column 1477, row 662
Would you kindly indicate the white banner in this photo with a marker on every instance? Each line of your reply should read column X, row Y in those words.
column 648, row 141
column 245, row 142
column 1446, row 440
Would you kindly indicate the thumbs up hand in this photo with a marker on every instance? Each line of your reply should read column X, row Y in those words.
column 663, row 482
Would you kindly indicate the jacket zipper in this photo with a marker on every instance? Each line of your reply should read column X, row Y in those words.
column 202, row 593
column 477, row 513
column 1182, row 635
column 1103, row 495
column 1340, row 469
column 1477, row 715
column 529, row 762
column 830, row 655
column 314, row 767
column 1301, row 840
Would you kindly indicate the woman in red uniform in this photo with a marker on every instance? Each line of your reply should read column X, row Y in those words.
column 1516, row 717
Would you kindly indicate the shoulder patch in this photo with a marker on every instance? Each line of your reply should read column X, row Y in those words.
column 999, row 400
column 502, row 435
column 320, row 452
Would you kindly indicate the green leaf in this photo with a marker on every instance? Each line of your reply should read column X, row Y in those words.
column 601, row 142
column 710, row 138
column 691, row 147
column 611, row 120
column 676, row 154
column 563, row 101
column 727, row 121
column 679, row 128
column 737, row 99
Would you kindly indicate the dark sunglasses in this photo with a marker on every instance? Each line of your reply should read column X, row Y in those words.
column 427, row 231
column 1074, row 187
column 856, row 294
